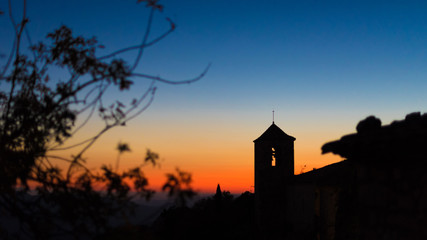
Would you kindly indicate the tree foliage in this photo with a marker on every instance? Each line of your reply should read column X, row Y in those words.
column 39, row 113
column 217, row 217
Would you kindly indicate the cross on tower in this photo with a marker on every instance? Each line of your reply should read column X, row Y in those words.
column 273, row 116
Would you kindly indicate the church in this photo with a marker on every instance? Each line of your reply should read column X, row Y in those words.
column 374, row 193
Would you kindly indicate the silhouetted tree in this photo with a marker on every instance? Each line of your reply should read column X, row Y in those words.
column 234, row 220
column 38, row 114
column 179, row 187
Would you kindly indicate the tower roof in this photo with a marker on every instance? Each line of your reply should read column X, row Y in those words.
column 274, row 133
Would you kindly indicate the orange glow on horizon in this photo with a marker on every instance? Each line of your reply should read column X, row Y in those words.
column 234, row 171
column 212, row 157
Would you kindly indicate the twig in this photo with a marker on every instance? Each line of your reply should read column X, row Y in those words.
column 171, row 29
column 163, row 80
column 144, row 41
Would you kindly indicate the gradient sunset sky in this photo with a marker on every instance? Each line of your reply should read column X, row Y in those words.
column 321, row 65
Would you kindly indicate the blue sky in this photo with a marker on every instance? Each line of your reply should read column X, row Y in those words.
column 322, row 65
column 307, row 52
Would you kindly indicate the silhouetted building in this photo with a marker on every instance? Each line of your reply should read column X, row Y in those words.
column 274, row 163
column 378, row 192
column 386, row 195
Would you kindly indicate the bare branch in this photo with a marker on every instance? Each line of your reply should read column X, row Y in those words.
column 152, row 91
column 12, row 20
column 171, row 29
column 144, row 41
column 91, row 142
column 160, row 79
column 149, row 90
column 27, row 34
column 56, row 148
column 9, row 60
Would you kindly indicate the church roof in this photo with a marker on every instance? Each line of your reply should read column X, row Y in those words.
column 274, row 133
column 333, row 174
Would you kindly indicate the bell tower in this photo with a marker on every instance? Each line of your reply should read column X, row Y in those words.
column 274, row 164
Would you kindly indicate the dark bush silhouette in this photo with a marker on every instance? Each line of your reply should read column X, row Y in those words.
column 217, row 217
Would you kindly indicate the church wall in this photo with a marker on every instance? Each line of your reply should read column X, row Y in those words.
column 299, row 211
column 395, row 202
column 310, row 211
column 385, row 203
column 387, row 198
column 326, row 209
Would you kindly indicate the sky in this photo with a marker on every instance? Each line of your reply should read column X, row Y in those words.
column 322, row 66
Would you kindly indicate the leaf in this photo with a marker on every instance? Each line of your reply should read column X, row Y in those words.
column 125, row 84
column 123, row 147
column 151, row 157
